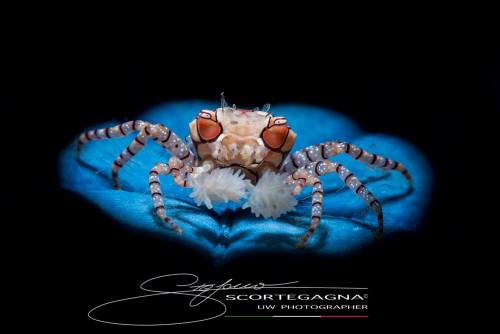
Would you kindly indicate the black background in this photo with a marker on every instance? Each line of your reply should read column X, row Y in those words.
column 424, row 86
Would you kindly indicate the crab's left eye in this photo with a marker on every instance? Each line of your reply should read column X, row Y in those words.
column 275, row 135
column 208, row 129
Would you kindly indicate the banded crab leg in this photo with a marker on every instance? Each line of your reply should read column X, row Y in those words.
column 158, row 132
column 300, row 179
column 310, row 175
column 180, row 172
column 326, row 150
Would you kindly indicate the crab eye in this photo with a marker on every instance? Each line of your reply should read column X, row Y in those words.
column 204, row 114
column 208, row 129
column 275, row 136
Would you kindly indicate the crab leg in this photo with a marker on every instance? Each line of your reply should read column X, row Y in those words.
column 117, row 131
column 301, row 178
column 159, row 133
column 326, row 150
column 180, row 172
column 310, row 173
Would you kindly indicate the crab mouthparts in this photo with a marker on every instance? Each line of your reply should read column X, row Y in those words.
column 234, row 153
column 244, row 155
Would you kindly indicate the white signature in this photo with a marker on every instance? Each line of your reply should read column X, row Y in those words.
column 198, row 293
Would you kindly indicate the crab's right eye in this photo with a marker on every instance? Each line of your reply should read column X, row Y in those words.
column 208, row 129
column 204, row 114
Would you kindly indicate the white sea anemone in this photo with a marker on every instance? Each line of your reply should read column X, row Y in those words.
column 220, row 185
column 271, row 196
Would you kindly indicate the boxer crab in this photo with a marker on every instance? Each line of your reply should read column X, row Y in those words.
column 235, row 153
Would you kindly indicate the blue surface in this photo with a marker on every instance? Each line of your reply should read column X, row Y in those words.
column 347, row 223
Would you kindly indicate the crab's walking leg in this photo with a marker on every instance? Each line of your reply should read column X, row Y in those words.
column 311, row 173
column 159, row 133
column 301, row 178
column 117, row 131
column 326, row 150
column 180, row 171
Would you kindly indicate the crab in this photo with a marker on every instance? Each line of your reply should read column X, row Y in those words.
column 233, row 153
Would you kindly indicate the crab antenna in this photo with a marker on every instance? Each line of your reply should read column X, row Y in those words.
column 222, row 101
column 266, row 108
